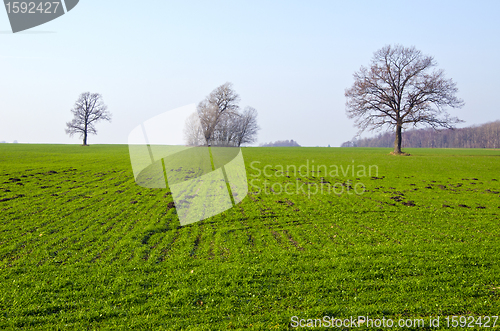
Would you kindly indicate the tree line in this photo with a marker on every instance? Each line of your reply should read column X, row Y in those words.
column 480, row 136
column 281, row 143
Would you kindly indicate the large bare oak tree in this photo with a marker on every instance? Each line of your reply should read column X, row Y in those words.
column 400, row 89
column 88, row 110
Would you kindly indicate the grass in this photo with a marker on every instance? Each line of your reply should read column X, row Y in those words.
column 83, row 247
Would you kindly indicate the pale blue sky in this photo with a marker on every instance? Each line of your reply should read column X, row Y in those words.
column 291, row 60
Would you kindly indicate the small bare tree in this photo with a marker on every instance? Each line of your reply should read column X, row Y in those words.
column 88, row 110
column 398, row 89
column 193, row 133
column 247, row 128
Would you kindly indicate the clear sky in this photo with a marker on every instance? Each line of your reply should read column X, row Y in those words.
column 291, row 60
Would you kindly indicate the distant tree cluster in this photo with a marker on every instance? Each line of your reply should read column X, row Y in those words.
column 281, row 143
column 482, row 136
column 218, row 121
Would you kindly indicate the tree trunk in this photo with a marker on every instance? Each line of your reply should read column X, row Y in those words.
column 397, row 142
column 85, row 133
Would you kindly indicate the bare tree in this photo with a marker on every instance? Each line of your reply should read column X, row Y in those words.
column 88, row 110
column 247, row 128
column 398, row 89
column 221, row 122
column 226, row 130
column 222, row 100
column 193, row 133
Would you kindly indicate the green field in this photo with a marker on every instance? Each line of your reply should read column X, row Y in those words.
column 83, row 247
